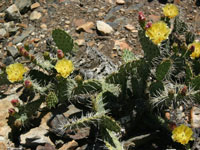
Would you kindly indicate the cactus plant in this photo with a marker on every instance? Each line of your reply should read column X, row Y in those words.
column 63, row 40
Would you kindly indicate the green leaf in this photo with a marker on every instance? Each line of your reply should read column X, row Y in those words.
column 63, row 40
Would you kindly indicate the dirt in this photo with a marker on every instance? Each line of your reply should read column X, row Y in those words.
column 68, row 14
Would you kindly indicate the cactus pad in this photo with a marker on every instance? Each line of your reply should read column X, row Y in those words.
column 63, row 40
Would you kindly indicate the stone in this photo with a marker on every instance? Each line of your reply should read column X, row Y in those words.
column 59, row 118
column 24, row 34
column 121, row 44
column 11, row 27
column 104, row 28
column 120, row 2
column 4, row 128
column 80, row 42
column 195, row 117
column 12, row 13
column 109, row 1
column 87, row 27
column 36, row 136
column 3, row 146
column 130, row 27
column 67, row 22
column 2, row 15
column 12, row 50
column 22, row 25
column 35, row 15
column 43, row 26
column 23, row 5
column 154, row 18
column 47, row 146
column 8, row 60
column 35, row 5
column 69, row 146
column 78, row 22
column 3, row 32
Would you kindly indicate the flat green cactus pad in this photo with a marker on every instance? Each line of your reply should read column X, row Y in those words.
column 63, row 40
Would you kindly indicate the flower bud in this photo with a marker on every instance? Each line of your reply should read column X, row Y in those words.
column 18, row 123
column 58, row 76
column 141, row 17
column 15, row 102
column 11, row 111
column 60, row 54
column 28, row 84
column 46, row 55
column 32, row 57
column 22, row 50
column 171, row 94
column 172, row 126
column 192, row 48
column 148, row 25
column 167, row 115
column 26, row 46
column 26, row 54
column 184, row 90
column 78, row 78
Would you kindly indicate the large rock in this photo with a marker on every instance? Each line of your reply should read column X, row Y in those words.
column 23, row 5
column 87, row 27
column 57, row 121
column 104, row 28
column 4, row 128
column 69, row 146
column 3, row 146
column 12, row 13
column 37, row 136
column 12, row 50
column 11, row 27
column 24, row 34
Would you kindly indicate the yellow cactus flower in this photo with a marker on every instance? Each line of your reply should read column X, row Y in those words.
column 195, row 48
column 158, row 32
column 182, row 134
column 15, row 72
column 170, row 10
column 64, row 67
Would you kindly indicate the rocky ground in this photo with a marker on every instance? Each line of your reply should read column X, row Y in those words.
column 109, row 26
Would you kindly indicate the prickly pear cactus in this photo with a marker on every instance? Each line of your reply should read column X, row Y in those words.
column 51, row 100
column 63, row 40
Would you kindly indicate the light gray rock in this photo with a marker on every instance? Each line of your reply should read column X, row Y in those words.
column 23, row 5
column 12, row 13
column 120, row 2
column 35, row 15
column 11, row 27
column 12, row 50
column 24, row 34
column 104, row 28
column 35, row 136
column 2, row 32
